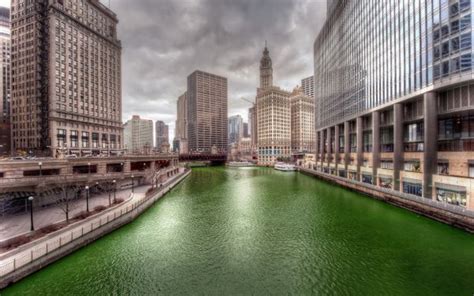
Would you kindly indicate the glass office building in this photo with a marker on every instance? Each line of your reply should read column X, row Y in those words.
column 394, row 95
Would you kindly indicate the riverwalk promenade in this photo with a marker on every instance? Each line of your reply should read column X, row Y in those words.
column 33, row 256
column 14, row 225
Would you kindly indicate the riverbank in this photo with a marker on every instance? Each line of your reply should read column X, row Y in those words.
column 18, row 264
column 459, row 218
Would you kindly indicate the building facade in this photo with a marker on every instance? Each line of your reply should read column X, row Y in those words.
column 138, row 135
column 253, row 126
column 235, row 129
column 273, row 117
column 395, row 96
column 246, row 130
column 180, row 132
column 162, row 135
column 5, row 89
column 307, row 84
column 66, row 78
column 302, row 122
column 207, row 113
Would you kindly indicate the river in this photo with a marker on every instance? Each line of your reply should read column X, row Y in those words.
column 256, row 231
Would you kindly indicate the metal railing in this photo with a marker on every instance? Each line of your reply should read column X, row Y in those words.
column 44, row 248
column 425, row 201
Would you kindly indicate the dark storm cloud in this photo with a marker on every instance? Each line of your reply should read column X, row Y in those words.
column 165, row 40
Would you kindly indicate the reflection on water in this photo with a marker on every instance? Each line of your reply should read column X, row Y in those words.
column 259, row 231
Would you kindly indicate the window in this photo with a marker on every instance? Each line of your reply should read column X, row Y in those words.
column 466, row 41
column 454, row 26
column 465, row 22
column 445, row 68
column 471, row 170
column 444, row 30
column 443, row 168
column 413, row 188
column 455, row 65
column 412, row 166
column 466, row 61
column 386, row 164
column 454, row 9
column 451, row 195
column 455, row 44
column 464, row 4
column 445, row 49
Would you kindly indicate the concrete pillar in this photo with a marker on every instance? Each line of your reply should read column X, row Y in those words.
column 321, row 146
column 397, row 145
column 347, row 144
column 360, row 143
column 316, row 146
column 336, row 147
column 430, row 155
column 328, row 144
column 375, row 144
column 126, row 166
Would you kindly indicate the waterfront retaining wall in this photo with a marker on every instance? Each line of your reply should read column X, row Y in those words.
column 445, row 213
column 12, row 270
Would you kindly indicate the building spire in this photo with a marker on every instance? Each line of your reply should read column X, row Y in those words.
column 266, row 69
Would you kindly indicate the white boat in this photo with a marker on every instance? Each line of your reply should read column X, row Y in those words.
column 286, row 167
column 240, row 164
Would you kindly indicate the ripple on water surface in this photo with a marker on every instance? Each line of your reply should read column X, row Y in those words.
column 258, row 231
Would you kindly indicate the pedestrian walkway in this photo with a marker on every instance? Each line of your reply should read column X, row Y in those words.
column 14, row 225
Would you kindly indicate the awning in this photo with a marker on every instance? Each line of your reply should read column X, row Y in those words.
column 449, row 187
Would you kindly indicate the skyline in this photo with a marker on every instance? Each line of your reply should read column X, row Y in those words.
column 233, row 31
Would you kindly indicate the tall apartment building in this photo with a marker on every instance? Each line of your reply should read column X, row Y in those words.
column 207, row 113
column 5, row 89
column 246, row 133
column 395, row 96
column 307, row 84
column 66, row 78
column 302, row 122
column 138, row 135
column 162, row 134
column 180, row 142
column 235, row 129
column 253, row 126
column 273, row 117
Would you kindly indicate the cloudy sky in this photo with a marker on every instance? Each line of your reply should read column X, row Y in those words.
column 166, row 40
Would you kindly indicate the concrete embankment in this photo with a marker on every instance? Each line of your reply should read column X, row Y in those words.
column 459, row 218
column 20, row 265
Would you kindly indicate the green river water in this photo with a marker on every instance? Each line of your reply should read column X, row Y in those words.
column 256, row 231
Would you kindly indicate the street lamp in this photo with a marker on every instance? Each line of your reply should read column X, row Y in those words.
column 133, row 183
column 40, row 164
column 30, row 199
column 87, row 199
column 89, row 165
column 144, row 166
column 115, row 189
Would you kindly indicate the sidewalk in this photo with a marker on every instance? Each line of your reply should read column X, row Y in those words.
column 13, row 225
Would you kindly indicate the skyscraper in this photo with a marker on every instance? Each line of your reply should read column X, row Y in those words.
column 302, row 122
column 162, row 134
column 5, row 49
column 180, row 142
column 395, row 104
column 253, row 126
column 207, row 113
column 236, row 129
column 246, row 130
column 307, row 85
column 273, row 117
column 138, row 135
column 66, row 78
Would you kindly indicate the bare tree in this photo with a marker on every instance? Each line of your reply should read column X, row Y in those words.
column 63, row 199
